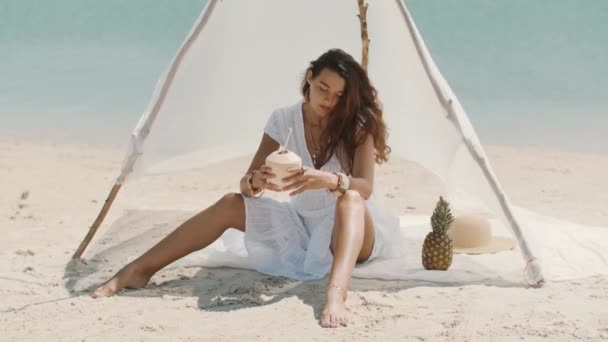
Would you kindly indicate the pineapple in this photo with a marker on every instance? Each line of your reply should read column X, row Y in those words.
column 438, row 246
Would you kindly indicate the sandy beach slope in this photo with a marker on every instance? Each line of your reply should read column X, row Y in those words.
column 50, row 194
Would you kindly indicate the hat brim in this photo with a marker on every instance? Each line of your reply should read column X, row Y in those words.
column 498, row 244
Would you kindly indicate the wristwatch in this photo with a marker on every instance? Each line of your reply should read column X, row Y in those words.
column 343, row 184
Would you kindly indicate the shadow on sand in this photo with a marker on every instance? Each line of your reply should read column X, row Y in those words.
column 217, row 289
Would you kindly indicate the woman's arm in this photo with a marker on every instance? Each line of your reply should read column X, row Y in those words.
column 362, row 179
column 266, row 147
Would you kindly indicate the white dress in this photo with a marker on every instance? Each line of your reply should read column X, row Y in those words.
column 292, row 238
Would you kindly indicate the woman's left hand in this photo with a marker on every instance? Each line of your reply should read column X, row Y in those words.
column 308, row 179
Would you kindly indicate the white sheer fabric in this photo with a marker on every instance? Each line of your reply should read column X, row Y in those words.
column 243, row 59
column 291, row 238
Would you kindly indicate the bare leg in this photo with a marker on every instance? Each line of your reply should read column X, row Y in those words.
column 352, row 241
column 196, row 233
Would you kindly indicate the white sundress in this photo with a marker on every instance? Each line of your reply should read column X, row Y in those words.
column 292, row 238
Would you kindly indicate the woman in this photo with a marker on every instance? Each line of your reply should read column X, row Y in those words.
column 330, row 223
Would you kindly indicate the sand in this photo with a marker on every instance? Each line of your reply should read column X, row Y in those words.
column 52, row 192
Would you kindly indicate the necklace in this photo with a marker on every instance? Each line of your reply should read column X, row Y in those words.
column 315, row 150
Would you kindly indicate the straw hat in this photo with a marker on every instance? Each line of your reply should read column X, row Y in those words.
column 472, row 234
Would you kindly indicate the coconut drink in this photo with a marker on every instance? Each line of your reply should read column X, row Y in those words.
column 281, row 161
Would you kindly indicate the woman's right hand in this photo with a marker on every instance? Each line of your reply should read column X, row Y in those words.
column 261, row 177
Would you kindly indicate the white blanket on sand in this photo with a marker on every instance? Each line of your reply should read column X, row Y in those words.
column 566, row 250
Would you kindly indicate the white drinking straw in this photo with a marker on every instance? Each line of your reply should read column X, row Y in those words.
column 282, row 148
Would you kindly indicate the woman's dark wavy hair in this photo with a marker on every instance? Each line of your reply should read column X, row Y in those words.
column 357, row 114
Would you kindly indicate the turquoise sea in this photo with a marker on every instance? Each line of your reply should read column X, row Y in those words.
column 529, row 72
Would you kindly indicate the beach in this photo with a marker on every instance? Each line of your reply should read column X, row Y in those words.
column 77, row 75
column 52, row 192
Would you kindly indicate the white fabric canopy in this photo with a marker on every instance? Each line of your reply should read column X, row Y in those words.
column 243, row 59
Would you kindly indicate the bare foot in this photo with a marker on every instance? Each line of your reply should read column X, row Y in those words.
column 334, row 314
column 128, row 277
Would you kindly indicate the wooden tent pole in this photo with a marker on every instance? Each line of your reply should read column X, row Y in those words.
column 98, row 221
column 364, row 37
column 142, row 132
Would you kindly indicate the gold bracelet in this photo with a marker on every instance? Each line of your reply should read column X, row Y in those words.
column 333, row 191
column 344, row 290
column 340, row 180
column 254, row 193
column 337, row 286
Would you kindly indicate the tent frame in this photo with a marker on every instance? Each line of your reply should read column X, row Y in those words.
column 532, row 272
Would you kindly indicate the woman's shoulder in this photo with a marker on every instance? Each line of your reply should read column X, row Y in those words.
column 287, row 111
column 281, row 120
